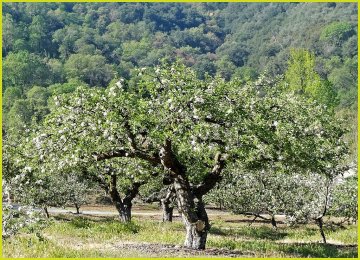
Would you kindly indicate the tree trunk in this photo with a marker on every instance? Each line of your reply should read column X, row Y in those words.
column 196, row 232
column 167, row 210
column 195, row 238
column 167, row 204
column 320, row 223
column 189, row 197
column 164, row 203
column 273, row 222
column 46, row 212
column 77, row 208
column 123, row 210
column 123, row 206
column 193, row 214
column 126, row 212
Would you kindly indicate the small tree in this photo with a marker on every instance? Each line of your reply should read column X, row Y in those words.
column 344, row 199
column 255, row 193
column 312, row 200
column 76, row 190
column 302, row 78
column 39, row 191
column 164, row 195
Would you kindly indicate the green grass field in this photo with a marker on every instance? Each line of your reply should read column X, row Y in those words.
column 80, row 236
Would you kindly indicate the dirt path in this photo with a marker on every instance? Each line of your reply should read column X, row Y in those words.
column 153, row 250
column 144, row 249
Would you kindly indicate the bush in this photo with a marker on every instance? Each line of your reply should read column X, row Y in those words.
column 25, row 219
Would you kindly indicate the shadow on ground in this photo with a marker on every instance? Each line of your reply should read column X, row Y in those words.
column 319, row 250
column 249, row 232
column 263, row 221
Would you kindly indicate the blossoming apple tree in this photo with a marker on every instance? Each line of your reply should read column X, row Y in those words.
column 190, row 128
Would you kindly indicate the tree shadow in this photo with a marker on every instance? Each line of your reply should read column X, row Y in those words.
column 319, row 250
column 88, row 217
column 218, row 231
column 82, row 223
column 261, row 233
column 63, row 218
column 262, row 221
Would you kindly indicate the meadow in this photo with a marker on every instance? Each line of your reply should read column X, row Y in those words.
column 71, row 235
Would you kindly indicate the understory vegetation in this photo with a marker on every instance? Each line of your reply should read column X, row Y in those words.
column 84, row 236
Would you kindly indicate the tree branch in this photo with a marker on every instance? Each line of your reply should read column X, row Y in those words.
column 165, row 193
column 169, row 160
column 212, row 177
column 156, row 196
column 153, row 159
column 131, row 192
column 213, row 121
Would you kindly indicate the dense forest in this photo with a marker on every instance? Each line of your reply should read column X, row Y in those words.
column 53, row 47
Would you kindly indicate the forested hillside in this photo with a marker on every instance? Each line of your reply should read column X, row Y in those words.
column 54, row 47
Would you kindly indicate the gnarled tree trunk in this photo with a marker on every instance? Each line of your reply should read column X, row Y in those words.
column 196, row 232
column 123, row 206
column 320, row 223
column 167, row 210
column 273, row 222
column 46, row 212
column 167, row 204
column 125, row 214
column 77, row 208
column 189, row 198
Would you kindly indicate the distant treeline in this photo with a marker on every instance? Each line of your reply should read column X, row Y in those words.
column 47, row 44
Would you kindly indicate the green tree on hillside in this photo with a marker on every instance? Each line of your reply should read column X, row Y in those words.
column 337, row 32
column 92, row 69
column 302, row 78
column 23, row 69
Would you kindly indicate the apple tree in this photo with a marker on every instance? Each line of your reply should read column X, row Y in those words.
column 191, row 129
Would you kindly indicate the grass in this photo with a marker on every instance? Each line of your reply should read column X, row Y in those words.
column 74, row 236
column 31, row 247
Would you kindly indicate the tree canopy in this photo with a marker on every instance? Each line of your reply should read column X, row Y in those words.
column 193, row 129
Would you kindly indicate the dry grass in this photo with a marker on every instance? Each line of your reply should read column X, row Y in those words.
column 99, row 236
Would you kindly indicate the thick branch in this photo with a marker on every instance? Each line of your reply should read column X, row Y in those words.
column 256, row 215
column 213, row 121
column 156, row 196
column 166, row 193
column 114, row 194
column 212, row 177
column 131, row 136
column 98, row 179
column 101, row 181
column 131, row 192
column 170, row 192
column 153, row 159
column 181, row 183
column 169, row 160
